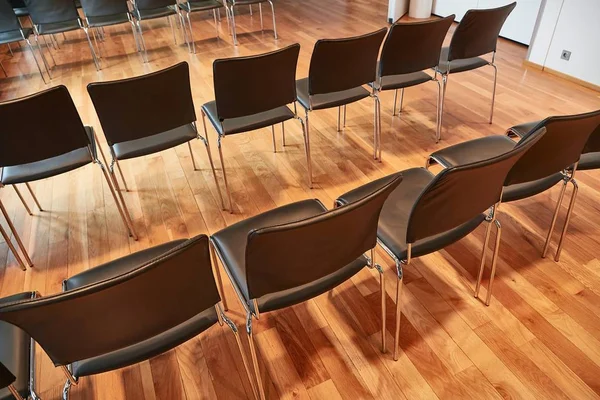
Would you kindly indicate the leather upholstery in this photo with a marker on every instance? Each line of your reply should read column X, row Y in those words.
column 21, row 12
column 58, row 27
column 166, row 298
column 523, row 129
column 192, row 6
column 155, row 143
column 328, row 100
column 249, row 123
column 8, row 20
column 44, row 12
column 107, row 20
column 393, row 221
column 104, row 8
column 402, row 81
column 589, row 161
column 527, row 189
column 15, row 36
column 459, row 65
column 155, row 12
column 153, row 4
column 15, row 347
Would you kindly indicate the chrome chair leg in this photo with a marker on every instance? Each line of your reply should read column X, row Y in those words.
column 494, row 261
column 66, row 390
column 339, row 125
column 399, row 286
column 488, row 231
column 395, row 102
column 225, row 175
column 172, row 28
column 11, row 52
column 568, row 218
column 121, row 173
column 11, row 226
column 401, row 100
column 192, row 156
column 283, row 133
column 442, row 101
column 250, row 7
column 22, row 200
column 49, row 51
column 383, row 297
column 306, row 132
column 344, row 115
column 493, row 92
column 138, row 47
column 215, row 263
column 94, row 56
column 142, row 41
column 12, row 248
column 438, row 117
column 210, row 160
column 273, row 134
column 555, row 217
column 378, row 128
column 253, row 355
column 262, row 27
column 216, row 22
column 193, row 42
column 274, row 23
column 233, row 30
column 35, row 59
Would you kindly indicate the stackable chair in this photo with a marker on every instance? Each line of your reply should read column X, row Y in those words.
column 56, row 16
column 11, row 31
column 408, row 50
column 189, row 6
column 296, row 252
column 52, row 142
column 147, row 114
column 339, row 68
column 253, row 93
column 552, row 160
column 230, row 6
column 428, row 212
column 17, row 357
column 144, row 10
column 476, row 35
column 126, row 311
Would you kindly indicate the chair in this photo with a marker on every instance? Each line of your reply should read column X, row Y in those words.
column 338, row 70
column 101, row 13
column 147, row 114
column 56, row 16
column 17, row 357
column 476, row 35
column 253, row 93
column 428, row 212
column 134, row 308
column 552, row 160
column 189, row 7
column 230, row 8
column 11, row 32
column 61, row 143
column 19, row 7
column 408, row 50
column 296, row 252
column 151, row 9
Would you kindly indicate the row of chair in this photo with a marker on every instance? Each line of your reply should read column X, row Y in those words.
column 171, row 292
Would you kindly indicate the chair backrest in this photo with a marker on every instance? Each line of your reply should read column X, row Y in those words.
column 560, row 147
column 103, row 8
column 145, row 105
column 413, row 46
column 50, row 12
column 593, row 143
column 249, row 85
column 122, row 311
column 342, row 64
column 153, row 4
column 290, row 255
column 6, row 377
column 458, row 194
column 478, row 31
column 8, row 19
column 52, row 127
column 17, row 3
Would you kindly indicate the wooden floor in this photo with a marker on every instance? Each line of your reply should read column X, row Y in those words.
column 539, row 339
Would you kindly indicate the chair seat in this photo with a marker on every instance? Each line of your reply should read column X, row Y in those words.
column 393, row 220
column 231, row 246
column 328, row 100
column 522, row 129
column 59, row 27
column 155, row 143
column 50, row 167
column 14, row 36
column 21, row 11
column 192, row 6
column 392, row 82
column 107, row 20
column 14, row 351
column 465, row 64
column 155, row 13
column 473, row 150
column 589, row 161
column 249, row 123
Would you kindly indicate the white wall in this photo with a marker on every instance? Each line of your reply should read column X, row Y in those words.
column 572, row 25
column 397, row 8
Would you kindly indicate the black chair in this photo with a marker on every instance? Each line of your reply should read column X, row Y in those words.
column 134, row 309
column 11, row 31
column 476, row 35
column 151, row 9
column 552, row 160
column 408, row 50
column 338, row 70
column 191, row 6
column 17, row 357
column 147, row 114
column 19, row 7
column 101, row 13
column 230, row 8
column 253, row 93
column 428, row 212
column 296, row 252
column 52, row 142
column 56, row 16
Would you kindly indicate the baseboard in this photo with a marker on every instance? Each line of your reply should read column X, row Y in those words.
column 562, row 75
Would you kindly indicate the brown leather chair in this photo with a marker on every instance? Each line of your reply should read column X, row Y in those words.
column 552, row 160
column 252, row 93
column 296, row 252
column 17, row 357
column 476, row 35
column 339, row 68
column 62, row 144
column 409, row 49
column 428, row 212
column 168, row 290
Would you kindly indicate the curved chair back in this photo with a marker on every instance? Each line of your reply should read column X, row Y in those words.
column 103, row 8
column 413, row 46
column 119, row 312
column 560, row 147
column 458, row 194
column 250, row 85
column 593, row 143
column 291, row 255
column 478, row 31
column 53, row 128
column 8, row 20
column 342, row 64
column 143, row 106
column 51, row 12
column 152, row 4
